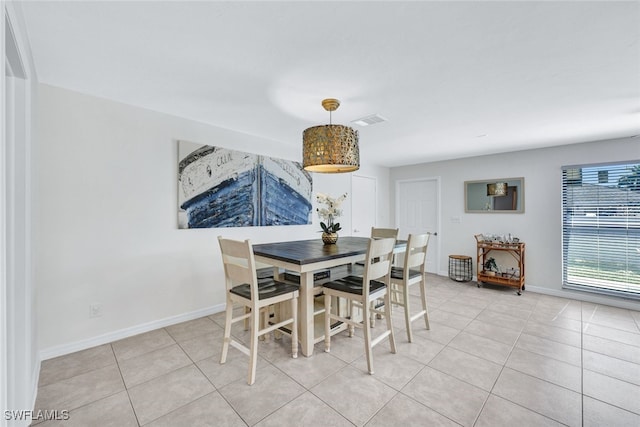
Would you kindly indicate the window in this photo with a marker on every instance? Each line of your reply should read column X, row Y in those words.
column 601, row 228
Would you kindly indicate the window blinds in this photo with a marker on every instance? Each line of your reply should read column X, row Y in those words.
column 601, row 228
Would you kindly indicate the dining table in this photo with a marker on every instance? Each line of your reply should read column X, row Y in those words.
column 307, row 257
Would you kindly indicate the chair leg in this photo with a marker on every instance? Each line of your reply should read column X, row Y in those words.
column 338, row 307
column 227, row 330
column 394, row 294
column 387, row 309
column 407, row 313
column 246, row 319
column 372, row 316
column 423, row 297
column 327, row 323
column 367, row 336
column 345, row 306
column 253, row 351
column 264, row 323
column 350, row 327
column 377, row 315
column 294, row 328
column 278, row 314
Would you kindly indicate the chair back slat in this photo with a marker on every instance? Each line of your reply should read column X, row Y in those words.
column 378, row 270
column 235, row 248
column 416, row 253
column 239, row 264
column 384, row 233
column 238, row 273
column 380, row 248
column 378, row 262
column 416, row 259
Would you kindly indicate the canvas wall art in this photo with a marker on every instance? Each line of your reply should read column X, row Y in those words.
column 220, row 187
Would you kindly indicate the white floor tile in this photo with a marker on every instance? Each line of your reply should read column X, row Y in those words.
column 491, row 358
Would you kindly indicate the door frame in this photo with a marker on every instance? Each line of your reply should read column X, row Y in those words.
column 398, row 183
column 4, row 320
column 19, row 361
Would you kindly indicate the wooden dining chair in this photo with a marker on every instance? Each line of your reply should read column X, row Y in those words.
column 382, row 233
column 411, row 273
column 243, row 288
column 361, row 291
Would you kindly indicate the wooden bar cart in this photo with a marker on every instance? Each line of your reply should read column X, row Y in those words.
column 514, row 278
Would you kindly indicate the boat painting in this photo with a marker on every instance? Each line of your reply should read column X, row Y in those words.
column 220, row 187
column 285, row 192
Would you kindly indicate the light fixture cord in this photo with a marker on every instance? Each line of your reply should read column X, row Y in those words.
column 330, row 116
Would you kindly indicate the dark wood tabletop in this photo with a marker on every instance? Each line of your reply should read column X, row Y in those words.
column 303, row 252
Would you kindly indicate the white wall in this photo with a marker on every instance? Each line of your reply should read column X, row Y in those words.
column 107, row 179
column 539, row 226
column 106, row 217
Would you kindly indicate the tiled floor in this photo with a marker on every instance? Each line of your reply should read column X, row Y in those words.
column 491, row 358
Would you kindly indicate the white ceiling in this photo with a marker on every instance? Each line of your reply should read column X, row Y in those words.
column 454, row 79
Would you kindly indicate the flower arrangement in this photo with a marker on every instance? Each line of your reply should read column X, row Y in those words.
column 491, row 265
column 329, row 211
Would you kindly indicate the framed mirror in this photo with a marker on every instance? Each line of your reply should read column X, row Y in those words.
column 498, row 195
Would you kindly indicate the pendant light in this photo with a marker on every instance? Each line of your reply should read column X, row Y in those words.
column 497, row 189
column 330, row 148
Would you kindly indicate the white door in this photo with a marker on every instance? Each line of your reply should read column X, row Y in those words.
column 418, row 211
column 363, row 202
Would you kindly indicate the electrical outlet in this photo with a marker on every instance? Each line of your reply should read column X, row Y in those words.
column 95, row 310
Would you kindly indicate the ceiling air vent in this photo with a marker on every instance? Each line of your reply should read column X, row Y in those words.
column 369, row 120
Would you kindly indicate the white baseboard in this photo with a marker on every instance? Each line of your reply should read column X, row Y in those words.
column 60, row 350
column 586, row 297
column 580, row 296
